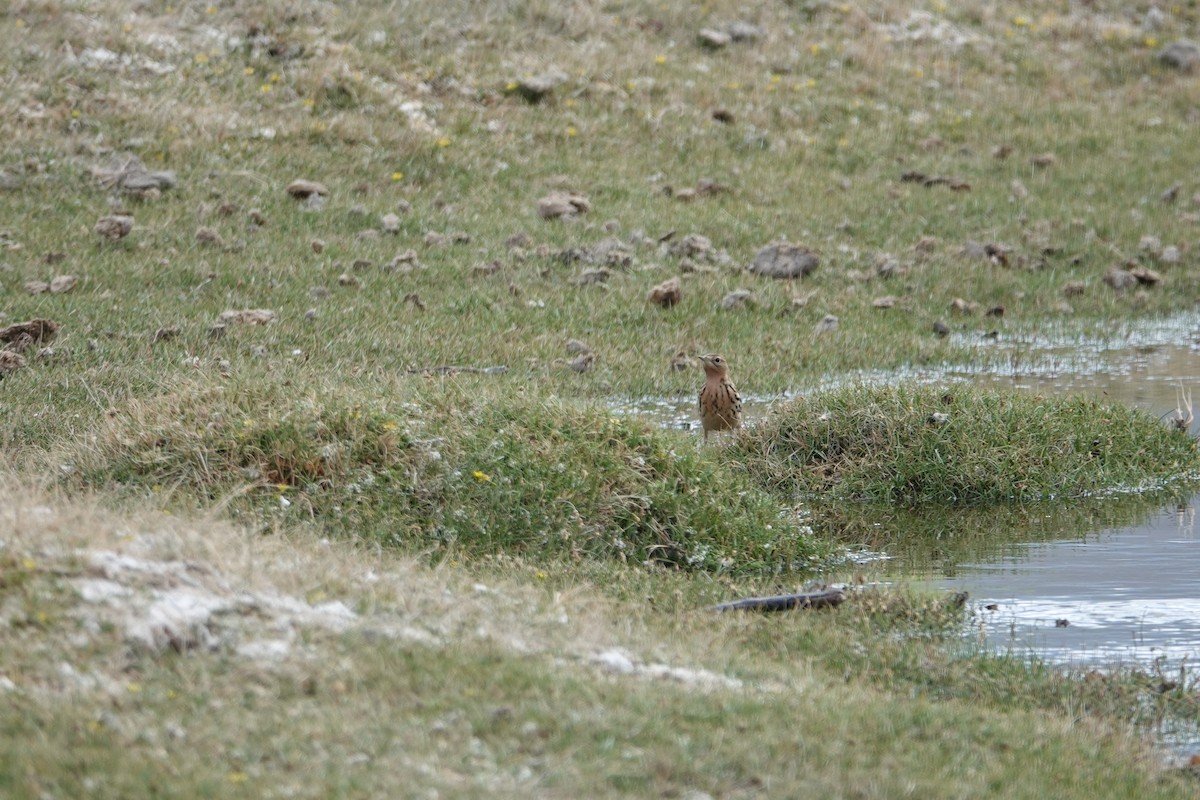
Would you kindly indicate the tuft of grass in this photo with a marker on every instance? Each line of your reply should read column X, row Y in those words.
column 911, row 444
column 542, row 480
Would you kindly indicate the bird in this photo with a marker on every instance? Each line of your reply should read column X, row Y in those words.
column 720, row 404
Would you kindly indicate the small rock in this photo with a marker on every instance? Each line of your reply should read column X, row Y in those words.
column 1146, row 276
column 1043, row 160
column 941, row 329
column 744, row 31
column 1150, row 244
column 828, row 324
column 590, row 276
column 714, row 39
column 1182, row 55
column 783, row 260
column 390, row 223
column 20, row 335
column 724, row 116
column 257, row 217
column 63, row 283
column 165, row 334
column 414, row 300
column 208, row 236
column 490, row 268
column 1063, row 307
column 562, row 204
column 37, row 287
column 114, row 227
column 314, row 202
column 346, row 279
column 577, row 346
column 10, row 361
column 250, row 316
column 1073, row 288
column 582, row 362
column 317, row 245
column 738, row 298
column 939, row 418
column 1171, row 193
column 216, row 330
column 681, row 361
column 965, row 307
column 1170, row 255
column 995, row 311
column 536, row 88
column 667, row 293
column 1018, row 189
column 885, row 302
column 1119, row 279
column 304, row 189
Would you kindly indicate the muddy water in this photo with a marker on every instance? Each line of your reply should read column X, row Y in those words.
column 1086, row 586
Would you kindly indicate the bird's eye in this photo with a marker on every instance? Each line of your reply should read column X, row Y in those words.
column 717, row 360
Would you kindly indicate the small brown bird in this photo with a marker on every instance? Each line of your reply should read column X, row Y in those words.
column 720, row 404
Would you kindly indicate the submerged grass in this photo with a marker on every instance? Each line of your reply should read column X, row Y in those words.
column 911, row 444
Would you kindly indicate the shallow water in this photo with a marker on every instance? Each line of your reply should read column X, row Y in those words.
column 1126, row 580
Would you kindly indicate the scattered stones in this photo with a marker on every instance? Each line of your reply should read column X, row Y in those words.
column 1119, row 279
column 304, row 189
column 37, row 287
column 317, row 245
column 1170, row 255
column 390, row 223
column 113, row 227
column 783, row 260
column 1150, row 244
column 1182, row 55
column 738, row 298
column 938, row 418
column 941, row 329
column 257, row 217
column 577, row 346
column 964, row 307
column 667, row 293
column 252, row 316
column 889, row 301
column 346, row 279
column 950, row 182
column 828, row 324
column 562, row 204
column 63, row 283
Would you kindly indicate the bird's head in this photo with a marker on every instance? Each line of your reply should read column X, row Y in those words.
column 714, row 365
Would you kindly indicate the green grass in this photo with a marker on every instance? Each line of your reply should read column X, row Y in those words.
column 914, row 445
column 321, row 426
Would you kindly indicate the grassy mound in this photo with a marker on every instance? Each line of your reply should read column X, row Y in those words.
column 913, row 444
column 543, row 481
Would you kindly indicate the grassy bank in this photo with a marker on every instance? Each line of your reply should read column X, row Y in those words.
column 369, row 539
